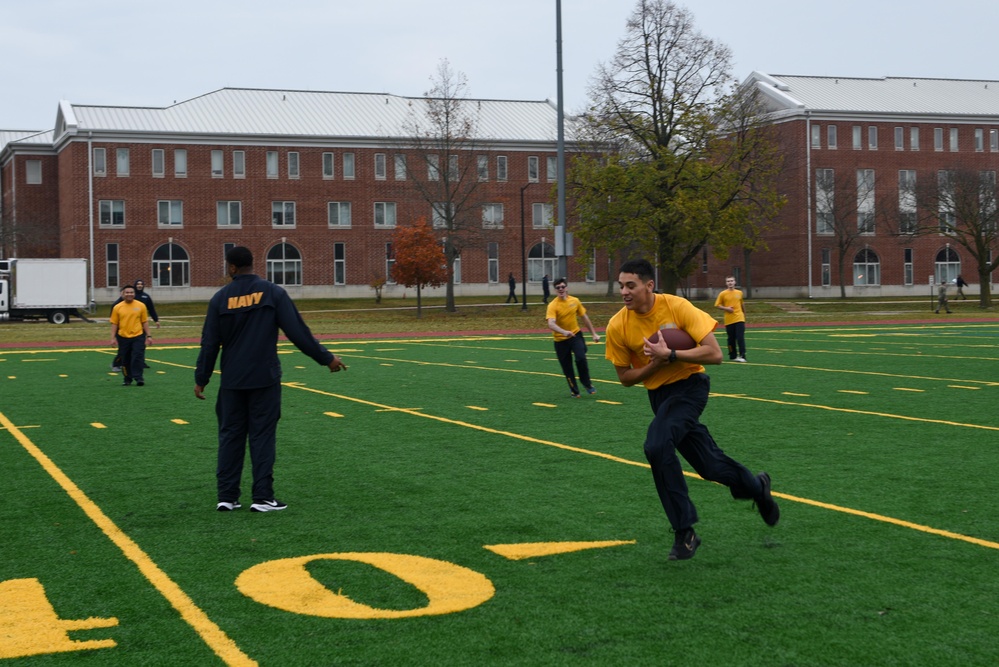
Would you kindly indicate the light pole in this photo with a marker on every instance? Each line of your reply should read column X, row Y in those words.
column 523, row 251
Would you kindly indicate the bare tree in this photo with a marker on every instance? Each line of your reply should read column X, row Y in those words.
column 846, row 210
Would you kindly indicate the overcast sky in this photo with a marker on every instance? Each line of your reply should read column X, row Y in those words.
column 142, row 53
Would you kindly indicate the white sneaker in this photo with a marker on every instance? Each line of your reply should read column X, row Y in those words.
column 741, row 360
column 268, row 506
column 227, row 507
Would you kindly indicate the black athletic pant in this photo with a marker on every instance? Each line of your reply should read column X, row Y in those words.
column 133, row 356
column 247, row 414
column 565, row 350
column 736, row 333
column 676, row 428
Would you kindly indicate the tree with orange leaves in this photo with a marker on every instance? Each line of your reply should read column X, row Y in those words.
column 419, row 259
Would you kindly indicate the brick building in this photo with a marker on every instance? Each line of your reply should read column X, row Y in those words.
column 314, row 183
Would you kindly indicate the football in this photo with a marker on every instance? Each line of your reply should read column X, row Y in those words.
column 676, row 339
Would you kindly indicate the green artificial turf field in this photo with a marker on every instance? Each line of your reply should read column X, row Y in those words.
column 449, row 504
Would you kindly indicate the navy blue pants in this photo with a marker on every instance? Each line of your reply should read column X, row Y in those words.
column 676, row 428
column 565, row 350
column 133, row 356
column 247, row 414
column 736, row 333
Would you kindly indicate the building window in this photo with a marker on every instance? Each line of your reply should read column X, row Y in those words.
column 953, row 140
column 384, row 214
column 865, row 201
column 171, row 266
column 348, row 166
column 453, row 173
column 171, row 212
column 907, row 272
column 948, row 266
column 492, row 256
column 500, row 167
column 866, row 268
column 272, row 164
column 858, row 137
column 872, row 137
column 328, row 166
column 532, row 169
column 551, row 169
column 389, row 264
column 492, row 216
column 381, row 167
column 938, row 138
column 100, row 162
column 111, row 212
column 180, row 163
column 159, row 163
column 913, row 138
column 112, row 270
column 400, row 167
column 229, row 214
column 239, row 164
column 994, row 140
column 121, row 166
column 907, row 201
column 825, row 186
column 456, row 270
column 283, row 214
column 826, row 267
column 33, row 172
column 218, row 164
column 945, row 197
column 433, row 167
column 541, row 261
column 293, row 171
column 338, row 214
column 987, row 201
column 899, row 139
column 482, row 167
column 816, row 136
column 979, row 140
column 831, row 136
column 591, row 268
column 284, row 265
column 541, row 216
column 339, row 263
column 439, row 214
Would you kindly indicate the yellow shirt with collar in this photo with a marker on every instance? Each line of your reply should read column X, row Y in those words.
column 129, row 317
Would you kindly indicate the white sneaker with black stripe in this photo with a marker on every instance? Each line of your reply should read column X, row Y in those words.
column 223, row 506
column 271, row 505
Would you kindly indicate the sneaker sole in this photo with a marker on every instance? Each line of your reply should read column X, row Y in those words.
column 222, row 508
column 267, row 508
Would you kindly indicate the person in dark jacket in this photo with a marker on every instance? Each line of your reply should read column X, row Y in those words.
column 243, row 320
column 512, row 282
column 545, row 294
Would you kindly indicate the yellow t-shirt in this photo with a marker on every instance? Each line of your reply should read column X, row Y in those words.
column 566, row 313
column 626, row 330
column 129, row 318
column 733, row 299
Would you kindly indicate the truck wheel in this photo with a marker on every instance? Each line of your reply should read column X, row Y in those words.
column 58, row 317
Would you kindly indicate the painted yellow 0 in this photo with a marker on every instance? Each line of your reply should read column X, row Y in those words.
column 286, row 584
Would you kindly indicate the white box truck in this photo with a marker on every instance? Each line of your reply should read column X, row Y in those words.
column 35, row 288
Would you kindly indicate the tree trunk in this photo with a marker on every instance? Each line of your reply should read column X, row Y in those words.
column 419, row 303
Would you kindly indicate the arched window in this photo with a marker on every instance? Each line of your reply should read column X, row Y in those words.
column 171, row 266
column 541, row 259
column 284, row 265
column 866, row 268
column 948, row 265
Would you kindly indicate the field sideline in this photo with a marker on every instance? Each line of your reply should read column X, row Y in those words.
column 450, row 505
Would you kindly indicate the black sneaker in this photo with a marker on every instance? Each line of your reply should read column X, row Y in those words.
column 765, row 503
column 140, row 383
column 685, row 545
column 224, row 506
column 126, row 383
column 271, row 505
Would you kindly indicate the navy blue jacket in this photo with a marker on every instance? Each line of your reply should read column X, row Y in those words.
column 243, row 320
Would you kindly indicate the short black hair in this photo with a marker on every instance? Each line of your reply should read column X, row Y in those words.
column 560, row 281
column 131, row 287
column 240, row 257
column 640, row 267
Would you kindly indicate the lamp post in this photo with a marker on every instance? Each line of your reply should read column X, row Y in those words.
column 523, row 252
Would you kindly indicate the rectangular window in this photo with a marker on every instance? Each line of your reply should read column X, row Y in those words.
column 816, row 136
column 907, row 201
column 433, row 167
column 858, row 137
column 500, row 167
column 111, row 212
column 339, row 263
column 938, row 138
column 328, row 168
column 348, row 166
column 33, row 172
column 456, row 270
column 979, row 140
column 865, row 201
column 272, row 164
column 121, row 166
column 180, row 163
column 482, row 166
column 899, row 138
column 229, row 214
column 987, row 202
column 541, row 216
column 293, row 171
column 400, row 167
column 338, row 214
column 171, row 213
column 381, row 167
column 101, row 162
column 533, row 169
column 439, row 214
column 913, row 138
column 283, row 214
column 953, row 140
column 492, row 216
column 218, row 164
column 112, row 269
column 907, row 272
column 945, row 198
column 994, row 140
column 453, row 173
column 384, row 214
column 492, row 255
column 826, row 267
column 239, row 164
column 825, row 184
column 159, row 163
column 872, row 137
column 831, row 136
column 389, row 264
column 551, row 169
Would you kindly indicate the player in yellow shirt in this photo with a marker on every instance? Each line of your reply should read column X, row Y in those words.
column 130, row 332
column 730, row 301
column 563, row 319
column 678, row 391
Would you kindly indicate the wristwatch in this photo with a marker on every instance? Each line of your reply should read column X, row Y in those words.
column 672, row 356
